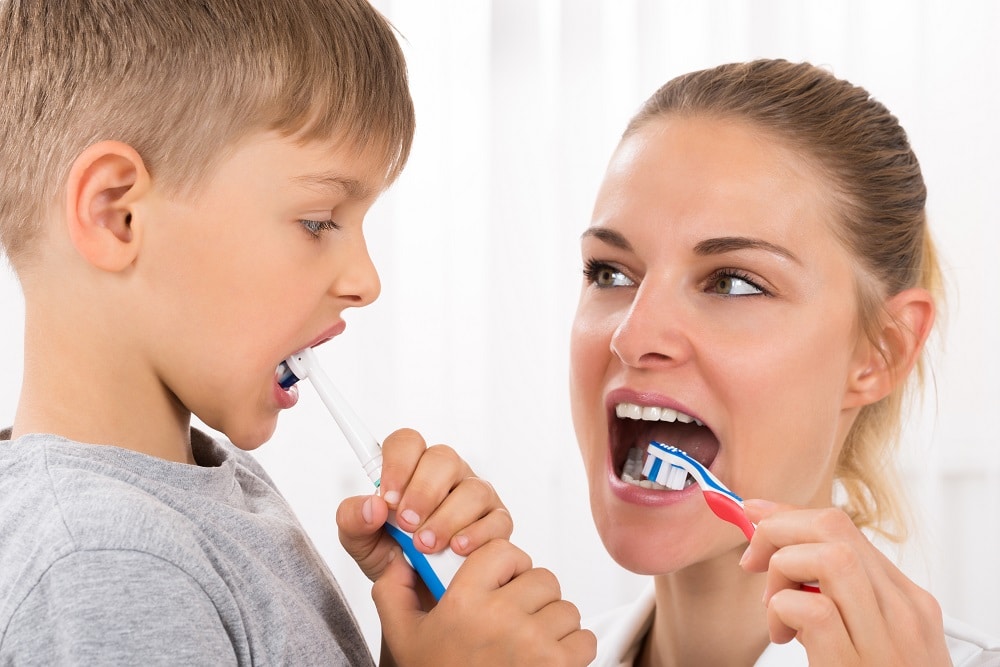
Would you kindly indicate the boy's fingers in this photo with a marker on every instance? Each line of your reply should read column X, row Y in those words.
column 582, row 644
column 495, row 525
column 561, row 617
column 533, row 590
column 493, row 565
column 359, row 524
column 439, row 471
column 395, row 596
column 470, row 516
column 401, row 452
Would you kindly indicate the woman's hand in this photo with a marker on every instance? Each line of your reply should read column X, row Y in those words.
column 867, row 613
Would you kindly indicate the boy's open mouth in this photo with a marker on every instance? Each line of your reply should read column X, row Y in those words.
column 633, row 427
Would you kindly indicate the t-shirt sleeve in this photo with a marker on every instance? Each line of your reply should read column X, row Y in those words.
column 116, row 608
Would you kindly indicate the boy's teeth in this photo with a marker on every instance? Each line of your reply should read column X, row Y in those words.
column 652, row 413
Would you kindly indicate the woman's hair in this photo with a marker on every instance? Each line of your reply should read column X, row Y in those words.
column 879, row 194
column 183, row 82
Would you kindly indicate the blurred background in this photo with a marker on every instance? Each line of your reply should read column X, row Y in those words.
column 519, row 105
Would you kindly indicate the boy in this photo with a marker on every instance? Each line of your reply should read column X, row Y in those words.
column 182, row 191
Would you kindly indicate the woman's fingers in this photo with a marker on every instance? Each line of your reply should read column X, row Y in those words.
column 868, row 611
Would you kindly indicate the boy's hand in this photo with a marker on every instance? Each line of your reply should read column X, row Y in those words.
column 498, row 610
column 867, row 613
column 436, row 496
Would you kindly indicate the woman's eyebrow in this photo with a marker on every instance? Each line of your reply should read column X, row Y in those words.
column 609, row 236
column 725, row 244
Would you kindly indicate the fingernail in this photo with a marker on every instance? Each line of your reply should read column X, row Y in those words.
column 410, row 517
column 366, row 510
column 745, row 557
column 759, row 505
column 391, row 497
column 462, row 541
column 427, row 537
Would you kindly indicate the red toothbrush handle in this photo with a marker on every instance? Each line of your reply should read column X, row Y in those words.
column 727, row 510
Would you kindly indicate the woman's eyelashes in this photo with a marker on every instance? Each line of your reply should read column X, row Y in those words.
column 724, row 282
column 733, row 282
column 604, row 275
column 317, row 227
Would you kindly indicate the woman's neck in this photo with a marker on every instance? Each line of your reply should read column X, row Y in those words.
column 707, row 614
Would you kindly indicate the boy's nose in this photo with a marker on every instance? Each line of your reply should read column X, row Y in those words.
column 653, row 332
column 357, row 279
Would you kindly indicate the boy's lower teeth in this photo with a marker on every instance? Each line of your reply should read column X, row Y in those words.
column 632, row 473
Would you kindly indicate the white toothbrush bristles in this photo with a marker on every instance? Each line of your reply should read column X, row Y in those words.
column 676, row 478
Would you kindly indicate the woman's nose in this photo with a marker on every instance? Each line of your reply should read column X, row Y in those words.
column 655, row 330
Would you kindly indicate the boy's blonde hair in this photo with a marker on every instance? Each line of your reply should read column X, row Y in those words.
column 879, row 190
column 182, row 81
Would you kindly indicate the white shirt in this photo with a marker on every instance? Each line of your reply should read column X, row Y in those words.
column 621, row 631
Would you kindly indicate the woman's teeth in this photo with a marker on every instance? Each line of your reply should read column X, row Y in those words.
column 632, row 473
column 651, row 413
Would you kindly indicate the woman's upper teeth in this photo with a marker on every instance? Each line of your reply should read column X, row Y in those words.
column 652, row 413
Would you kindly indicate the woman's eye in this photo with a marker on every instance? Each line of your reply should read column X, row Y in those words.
column 734, row 285
column 317, row 227
column 604, row 275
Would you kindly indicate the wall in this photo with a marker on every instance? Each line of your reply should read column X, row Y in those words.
column 520, row 103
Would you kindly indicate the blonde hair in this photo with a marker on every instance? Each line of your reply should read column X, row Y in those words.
column 181, row 82
column 879, row 190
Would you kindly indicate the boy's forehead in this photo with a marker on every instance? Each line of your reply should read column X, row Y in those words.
column 323, row 166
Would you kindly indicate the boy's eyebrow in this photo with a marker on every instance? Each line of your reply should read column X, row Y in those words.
column 725, row 244
column 353, row 188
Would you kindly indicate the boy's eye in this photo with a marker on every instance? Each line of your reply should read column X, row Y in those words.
column 731, row 284
column 317, row 227
column 604, row 275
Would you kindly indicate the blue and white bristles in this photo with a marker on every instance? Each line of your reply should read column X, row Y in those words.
column 670, row 466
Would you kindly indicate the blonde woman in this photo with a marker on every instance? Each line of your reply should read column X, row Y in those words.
column 758, row 286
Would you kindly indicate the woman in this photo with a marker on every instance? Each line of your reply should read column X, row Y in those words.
column 759, row 284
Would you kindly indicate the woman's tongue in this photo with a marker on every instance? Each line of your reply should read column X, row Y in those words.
column 697, row 441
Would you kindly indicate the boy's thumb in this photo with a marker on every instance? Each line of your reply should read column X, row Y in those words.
column 359, row 523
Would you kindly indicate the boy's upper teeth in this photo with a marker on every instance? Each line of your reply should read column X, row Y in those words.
column 652, row 413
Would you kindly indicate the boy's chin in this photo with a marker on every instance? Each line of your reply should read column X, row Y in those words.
column 245, row 438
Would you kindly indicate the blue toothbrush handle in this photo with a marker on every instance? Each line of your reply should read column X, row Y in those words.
column 435, row 569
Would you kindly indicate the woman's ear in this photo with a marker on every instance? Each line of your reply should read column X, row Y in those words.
column 881, row 367
column 105, row 182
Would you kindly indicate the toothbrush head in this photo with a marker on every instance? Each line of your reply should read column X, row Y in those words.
column 670, row 466
column 286, row 378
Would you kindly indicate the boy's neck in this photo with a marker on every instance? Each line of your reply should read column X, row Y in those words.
column 68, row 390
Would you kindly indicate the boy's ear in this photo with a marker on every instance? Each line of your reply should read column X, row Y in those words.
column 880, row 368
column 105, row 182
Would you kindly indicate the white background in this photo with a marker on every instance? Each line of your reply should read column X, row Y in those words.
column 520, row 103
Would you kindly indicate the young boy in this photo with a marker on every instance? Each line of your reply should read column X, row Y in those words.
column 182, row 189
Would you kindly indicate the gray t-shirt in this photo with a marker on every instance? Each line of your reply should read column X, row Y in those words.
column 111, row 557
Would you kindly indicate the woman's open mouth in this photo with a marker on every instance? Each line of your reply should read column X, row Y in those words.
column 632, row 427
